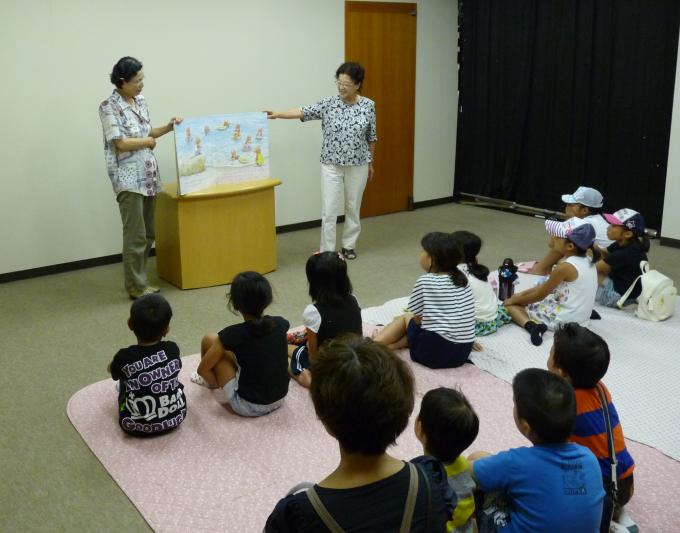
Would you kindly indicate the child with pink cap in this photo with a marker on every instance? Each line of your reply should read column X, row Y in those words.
column 620, row 265
column 568, row 294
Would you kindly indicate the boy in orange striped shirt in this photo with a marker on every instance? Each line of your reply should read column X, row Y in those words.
column 582, row 358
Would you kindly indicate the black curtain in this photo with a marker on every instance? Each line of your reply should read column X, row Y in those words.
column 554, row 94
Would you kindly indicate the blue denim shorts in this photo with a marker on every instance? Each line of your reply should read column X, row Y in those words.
column 606, row 295
column 434, row 351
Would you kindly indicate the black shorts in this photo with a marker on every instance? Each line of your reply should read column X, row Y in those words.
column 299, row 361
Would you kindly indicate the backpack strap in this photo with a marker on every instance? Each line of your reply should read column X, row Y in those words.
column 323, row 513
column 644, row 268
column 411, row 497
column 610, row 441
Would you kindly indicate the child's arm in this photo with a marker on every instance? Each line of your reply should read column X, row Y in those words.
column 114, row 368
column 471, row 460
column 604, row 252
column 603, row 268
column 312, row 346
column 562, row 272
column 209, row 362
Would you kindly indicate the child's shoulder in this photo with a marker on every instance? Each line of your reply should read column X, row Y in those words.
column 141, row 351
column 279, row 321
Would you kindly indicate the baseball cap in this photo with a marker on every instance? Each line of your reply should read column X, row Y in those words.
column 575, row 230
column 584, row 196
column 627, row 218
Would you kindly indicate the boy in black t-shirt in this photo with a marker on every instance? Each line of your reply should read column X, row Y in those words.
column 150, row 396
column 363, row 394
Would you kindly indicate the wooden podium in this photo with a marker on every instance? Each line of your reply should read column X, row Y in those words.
column 207, row 237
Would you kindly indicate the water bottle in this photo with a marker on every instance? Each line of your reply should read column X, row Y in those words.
column 507, row 274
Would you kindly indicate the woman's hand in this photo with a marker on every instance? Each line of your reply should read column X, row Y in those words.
column 296, row 112
column 150, row 142
column 174, row 121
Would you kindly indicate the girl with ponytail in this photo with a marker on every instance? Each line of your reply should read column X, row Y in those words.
column 489, row 314
column 247, row 362
column 439, row 328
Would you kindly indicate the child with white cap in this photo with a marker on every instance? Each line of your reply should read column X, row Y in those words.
column 584, row 203
column 568, row 294
column 620, row 265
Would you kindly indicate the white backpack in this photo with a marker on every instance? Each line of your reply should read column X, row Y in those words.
column 657, row 299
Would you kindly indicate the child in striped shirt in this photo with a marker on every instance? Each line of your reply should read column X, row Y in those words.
column 446, row 426
column 439, row 328
column 582, row 358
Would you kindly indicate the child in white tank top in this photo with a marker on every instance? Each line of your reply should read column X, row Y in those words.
column 568, row 295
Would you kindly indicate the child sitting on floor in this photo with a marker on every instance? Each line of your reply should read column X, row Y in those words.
column 489, row 314
column 150, row 396
column 363, row 394
column 554, row 485
column 333, row 311
column 582, row 358
column 584, row 203
column 620, row 266
column 446, row 426
column 568, row 295
column 439, row 328
column 248, row 362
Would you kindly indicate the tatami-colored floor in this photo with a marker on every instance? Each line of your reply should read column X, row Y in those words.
column 58, row 333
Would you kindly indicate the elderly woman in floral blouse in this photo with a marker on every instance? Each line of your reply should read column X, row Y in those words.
column 129, row 140
column 349, row 136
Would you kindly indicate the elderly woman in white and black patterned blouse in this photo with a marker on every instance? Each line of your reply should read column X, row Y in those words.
column 129, row 140
column 349, row 136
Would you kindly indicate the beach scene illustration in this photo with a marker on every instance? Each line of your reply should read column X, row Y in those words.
column 218, row 149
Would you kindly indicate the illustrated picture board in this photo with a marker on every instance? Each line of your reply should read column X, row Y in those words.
column 218, row 149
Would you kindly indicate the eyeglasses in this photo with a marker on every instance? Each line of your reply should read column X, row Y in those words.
column 344, row 84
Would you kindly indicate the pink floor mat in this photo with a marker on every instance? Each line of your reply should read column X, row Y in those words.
column 222, row 472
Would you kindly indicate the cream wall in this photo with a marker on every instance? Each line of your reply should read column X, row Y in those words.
column 670, row 226
column 57, row 204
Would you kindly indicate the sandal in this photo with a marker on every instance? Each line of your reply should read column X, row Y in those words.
column 349, row 253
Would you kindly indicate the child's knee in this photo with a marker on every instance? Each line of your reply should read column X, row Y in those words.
column 304, row 378
column 207, row 341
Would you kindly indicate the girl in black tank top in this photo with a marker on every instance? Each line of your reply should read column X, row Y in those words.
column 333, row 311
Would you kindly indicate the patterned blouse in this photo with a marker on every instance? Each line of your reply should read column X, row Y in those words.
column 135, row 171
column 347, row 129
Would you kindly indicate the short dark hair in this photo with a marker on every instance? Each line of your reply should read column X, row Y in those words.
column 354, row 70
column 449, row 423
column 327, row 277
column 362, row 392
column 581, row 354
column 546, row 402
column 126, row 69
column 251, row 293
column 445, row 250
column 149, row 317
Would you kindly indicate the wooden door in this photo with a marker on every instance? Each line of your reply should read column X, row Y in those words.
column 382, row 37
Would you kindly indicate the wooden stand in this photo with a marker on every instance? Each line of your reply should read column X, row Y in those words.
column 207, row 237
